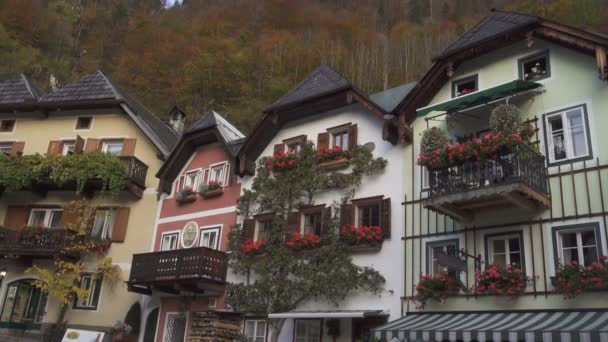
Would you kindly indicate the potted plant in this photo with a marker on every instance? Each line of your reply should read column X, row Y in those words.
column 34, row 235
column 333, row 158
column 437, row 287
column 121, row 331
column 307, row 241
column 250, row 247
column 281, row 162
column 573, row 279
column 186, row 195
column 362, row 238
column 505, row 118
column 500, row 281
column 211, row 190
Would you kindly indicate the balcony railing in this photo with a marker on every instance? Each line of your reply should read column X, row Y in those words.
column 13, row 243
column 190, row 265
column 135, row 170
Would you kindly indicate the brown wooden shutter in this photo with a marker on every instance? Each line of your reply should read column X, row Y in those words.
column 68, row 218
column 385, row 217
column 17, row 148
column 325, row 220
column 279, row 148
column 55, row 147
column 347, row 215
column 16, row 216
column 121, row 222
column 322, row 141
column 248, row 229
column 293, row 224
column 79, row 145
column 128, row 147
column 352, row 136
column 92, row 145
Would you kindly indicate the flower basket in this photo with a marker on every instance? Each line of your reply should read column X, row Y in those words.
column 252, row 248
column 281, row 162
column 211, row 190
column 573, row 279
column 333, row 158
column 361, row 236
column 186, row 195
column 496, row 280
column 307, row 241
column 437, row 287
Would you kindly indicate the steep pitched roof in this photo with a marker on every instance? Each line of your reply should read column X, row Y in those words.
column 323, row 80
column 390, row 98
column 98, row 87
column 18, row 90
column 495, row 24
column 231, row 135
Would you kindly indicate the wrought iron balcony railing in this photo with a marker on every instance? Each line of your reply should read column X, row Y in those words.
column 13, row 242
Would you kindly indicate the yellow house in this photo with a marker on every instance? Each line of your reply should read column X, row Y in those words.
column 90, row 114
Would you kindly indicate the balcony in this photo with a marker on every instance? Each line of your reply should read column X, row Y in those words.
column 13, row 243
column 192, row 270
column 515, row 179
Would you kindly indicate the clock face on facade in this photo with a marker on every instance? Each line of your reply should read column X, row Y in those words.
column 189, row 234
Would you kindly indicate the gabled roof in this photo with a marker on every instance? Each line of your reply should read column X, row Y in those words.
column 230, row 134
column 323, row 80
column 18, row 90
column 97, row 88
column 496, row 24
column 390, row 98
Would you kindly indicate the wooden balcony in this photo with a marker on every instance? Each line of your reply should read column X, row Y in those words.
column 12, row 243
column 193, row 270
column 516, row 179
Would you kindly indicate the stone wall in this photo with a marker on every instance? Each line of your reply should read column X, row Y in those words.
column 215, row 326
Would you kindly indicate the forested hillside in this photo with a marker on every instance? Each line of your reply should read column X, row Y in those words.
column 238, row 56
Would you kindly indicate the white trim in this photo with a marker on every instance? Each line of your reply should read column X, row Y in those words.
column 175, row 185
column 181, row 237
column 84, row 129
column 47, row 216
column 99, row 300
column 200, row 214
column 14, row 126
column 170, row 232
column 159, row 207
column 167, row 320
column 566, row 132
column 422, row 268
column 218, row 227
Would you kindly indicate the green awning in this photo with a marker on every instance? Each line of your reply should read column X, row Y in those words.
column 480, row 97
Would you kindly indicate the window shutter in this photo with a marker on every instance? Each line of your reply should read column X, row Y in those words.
column 128, row 147
column 347, row 215
column 279, row 148
column 248, row 229
column 293, row 224
column 16, row 217
column 322, row 141
column 17, row 148
column 352, row 136
column 54, row 147
column 92, row 145
column 325, row 220
column 385, row 217
column 119, row 231
column 67, row 218
column 79, row 145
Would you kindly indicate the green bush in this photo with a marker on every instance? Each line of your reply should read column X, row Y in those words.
column 433, row 138
column 505, row 118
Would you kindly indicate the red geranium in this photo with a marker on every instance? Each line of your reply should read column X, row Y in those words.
column 572, row 279
column 301, row 242
column 280, row 162
column 250, row 247
column 361, row 235
column 330, row 154
column 496, row 280
column 437, row 287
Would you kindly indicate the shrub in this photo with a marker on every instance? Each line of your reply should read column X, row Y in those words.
column 505, row 119
column 433, row 138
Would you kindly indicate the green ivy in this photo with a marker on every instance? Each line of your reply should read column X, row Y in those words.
column 22, row 172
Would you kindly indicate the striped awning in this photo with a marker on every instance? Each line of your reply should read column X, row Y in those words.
column 545, row 326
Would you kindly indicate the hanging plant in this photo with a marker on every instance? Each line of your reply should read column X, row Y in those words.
column 437, row 287
column 433, row 138
column 505, row 119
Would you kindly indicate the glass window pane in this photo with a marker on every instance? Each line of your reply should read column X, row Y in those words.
column 590, row 255
column 515, row 259
column 55, row 220
column 514, row 245
column 588, row 238
column 570, row 255
column 500, row 259
column 568, row 239
column 556, row 123
column 249, row 329
column 498, row 246
column 37, row 217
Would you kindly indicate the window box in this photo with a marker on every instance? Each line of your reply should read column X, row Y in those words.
column 212, row 193
column 211, row 190
column 362, row 237
column 185, row 196
column 338, row 164
column 366, row 248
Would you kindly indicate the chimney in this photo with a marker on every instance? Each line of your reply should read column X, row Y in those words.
column 177, row 119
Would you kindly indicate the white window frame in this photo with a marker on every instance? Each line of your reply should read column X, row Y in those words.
column 258, row 227
column 174, row 313
column 14, row 125
column 108, row 226
column 308, row 337
column 47, row 216
column 303, row 219
column 6, row 148
column 65, row 149
column 173, row 236
column 566, row 131
column 507, row 252
column 429, row 252
column 256, row 334
column 579, row 242
column 195, row 182
column 212, row 302
column 343, row 132
column 225, row 169
column 360, row 207
column 83, row 129
column 88, row 302
column 106, row 143
column 210, row 229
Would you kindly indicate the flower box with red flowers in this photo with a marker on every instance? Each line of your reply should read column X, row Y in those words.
column 573, row 279
column 362, row 238
column 500, row 281
column 34, row 235
column 281, row 162
column 436, row 287
column 250, row 247
column 489, row 147
column 333, row 158
column 300, row 242
column 186, row 195
column 211, row 190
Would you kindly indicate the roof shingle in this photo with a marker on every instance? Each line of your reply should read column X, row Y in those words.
column 18, row 90
column 232, row 136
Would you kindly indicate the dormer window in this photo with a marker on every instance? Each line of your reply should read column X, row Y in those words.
column 7, row 126
column 84, row 122
column 464, row 86
column 535, row 67
column 294, row 145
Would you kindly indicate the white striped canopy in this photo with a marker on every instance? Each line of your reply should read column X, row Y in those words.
column 532, row 326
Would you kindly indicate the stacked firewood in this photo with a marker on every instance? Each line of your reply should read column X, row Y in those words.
column 213, row 326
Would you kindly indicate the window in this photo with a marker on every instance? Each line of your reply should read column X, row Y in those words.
column 263, row 230
column 340, row 138
column 103, row 223
column 464, row 86
column 369, row 214
column 312, row 223
column 209, row 237
column 24, row 302
column 169, row 242
column 505, row 250
column 84, row 122
column 6, row 148
column 175, row 327
column 219, row 173
column 567, row 135
column 535, row 67
column 92, row 285
column 212, row 303
column 294, row 145
column 7, row 126
column 50, row 218
column 307, row 330
column 191, row 180
column 448, row 247
column 580, row 244
column 68, row 147
column 255, row 330
column 424, row 176
column 113, row 147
